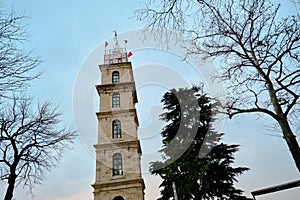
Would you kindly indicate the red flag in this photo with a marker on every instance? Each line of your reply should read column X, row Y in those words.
column 129, row 54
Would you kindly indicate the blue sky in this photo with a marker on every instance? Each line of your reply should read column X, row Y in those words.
column 67, row 34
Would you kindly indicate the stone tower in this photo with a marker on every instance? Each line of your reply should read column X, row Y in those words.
column 118, row 151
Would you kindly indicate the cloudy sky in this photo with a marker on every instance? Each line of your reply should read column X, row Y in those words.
column 69, row 37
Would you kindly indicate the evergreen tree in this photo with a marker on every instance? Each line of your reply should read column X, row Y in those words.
column 193, row 156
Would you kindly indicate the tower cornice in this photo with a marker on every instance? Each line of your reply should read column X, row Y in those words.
column 119, row 144
column 113, row 185
column 119, row 112
column 118, row 87
column 116, row 65
column 111, row 87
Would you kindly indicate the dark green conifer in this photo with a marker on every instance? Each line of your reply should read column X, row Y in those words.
column 193, row 156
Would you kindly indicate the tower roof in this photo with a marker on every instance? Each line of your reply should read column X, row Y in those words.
column 116, row 47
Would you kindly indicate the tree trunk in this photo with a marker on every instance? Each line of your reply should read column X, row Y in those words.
column 291, row 141
column 11, row 186
column 287, row 132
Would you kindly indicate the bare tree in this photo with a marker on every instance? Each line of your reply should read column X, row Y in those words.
column 258, row 52
column 31, row 142
column 17, row 67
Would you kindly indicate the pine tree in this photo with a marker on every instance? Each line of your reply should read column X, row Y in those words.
column 193, row 156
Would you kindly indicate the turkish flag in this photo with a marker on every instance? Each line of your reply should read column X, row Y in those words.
column 129, row 54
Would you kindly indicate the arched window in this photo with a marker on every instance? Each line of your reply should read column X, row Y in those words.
column 116, row 129
column 116, row 100
column 118, row 198
column 117, row 165
column 115, row 77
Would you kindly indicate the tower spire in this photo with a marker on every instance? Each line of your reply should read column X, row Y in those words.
column 116, row 54
column 116, row 41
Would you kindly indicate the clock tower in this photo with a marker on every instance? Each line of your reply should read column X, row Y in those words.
column 118, row 151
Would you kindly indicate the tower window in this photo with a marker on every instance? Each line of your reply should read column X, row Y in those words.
column 118, row 198
column 117, row 164
column 111, row 61
column 116, row 129
column 116, row 100
column 119, row 60
column 115, row 77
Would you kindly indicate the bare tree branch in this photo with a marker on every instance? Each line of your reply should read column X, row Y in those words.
column 257, row 51
column 32, row 142
column 17, row 67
